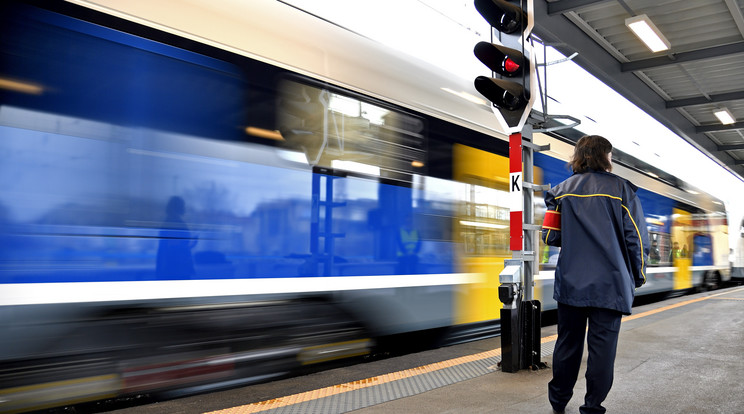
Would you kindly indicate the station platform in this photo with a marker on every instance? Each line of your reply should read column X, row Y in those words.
column 681, row 355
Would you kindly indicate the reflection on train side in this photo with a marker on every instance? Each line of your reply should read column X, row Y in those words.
column 337, row 131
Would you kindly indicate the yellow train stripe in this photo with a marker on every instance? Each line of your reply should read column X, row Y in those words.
column 408, row 373
column 324, row 346
column 59, row 384
column 56, row 393
column 337, row 350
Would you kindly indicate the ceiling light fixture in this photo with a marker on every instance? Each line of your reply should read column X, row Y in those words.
column 645, row 29
column 724, row 116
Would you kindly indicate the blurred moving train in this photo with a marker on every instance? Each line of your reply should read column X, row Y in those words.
column 207, row 194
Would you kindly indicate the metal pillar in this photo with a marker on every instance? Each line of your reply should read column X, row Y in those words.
column 531, row 244
column 520, row 317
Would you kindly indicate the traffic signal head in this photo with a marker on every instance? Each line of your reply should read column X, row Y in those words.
column 501, row 59
column 506, row 17
column 509, row 57
column 509, row 96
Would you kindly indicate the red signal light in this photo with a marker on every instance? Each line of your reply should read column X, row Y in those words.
column 510, row 65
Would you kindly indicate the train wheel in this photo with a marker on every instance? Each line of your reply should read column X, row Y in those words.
column 711, row 281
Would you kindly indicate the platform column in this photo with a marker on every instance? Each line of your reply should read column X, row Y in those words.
column 510, row 279
column 520, row 316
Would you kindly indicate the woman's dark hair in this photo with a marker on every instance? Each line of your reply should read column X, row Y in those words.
column 591, row 153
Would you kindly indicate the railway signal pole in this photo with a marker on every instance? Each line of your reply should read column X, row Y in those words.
column 512, row 90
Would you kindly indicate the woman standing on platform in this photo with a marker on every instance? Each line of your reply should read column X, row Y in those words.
column 597, row 220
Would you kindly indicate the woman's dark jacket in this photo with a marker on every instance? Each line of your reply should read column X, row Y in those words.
column 597, row 220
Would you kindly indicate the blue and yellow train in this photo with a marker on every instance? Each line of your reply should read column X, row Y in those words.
column 207, row 194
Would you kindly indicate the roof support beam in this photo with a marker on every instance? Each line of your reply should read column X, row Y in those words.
column 565, row 6
column 701, row 100
column 730, row 147
column 719, row 127
column 736, row 14
column 569, row 38
column 711, row 52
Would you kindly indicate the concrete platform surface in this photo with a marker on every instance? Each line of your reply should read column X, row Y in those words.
column 682, row 355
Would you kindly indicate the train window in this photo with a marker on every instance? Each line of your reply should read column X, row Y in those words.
column 484, row 223
column 660, row 251
column 345, row 133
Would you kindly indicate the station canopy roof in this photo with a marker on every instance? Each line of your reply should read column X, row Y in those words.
column 701, row 73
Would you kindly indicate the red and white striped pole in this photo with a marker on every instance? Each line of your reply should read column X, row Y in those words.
column 516, row 201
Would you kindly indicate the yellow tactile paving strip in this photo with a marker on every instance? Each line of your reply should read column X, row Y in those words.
column 679, row 304
column 365, row 383
column 413, row 372
column 356, row 385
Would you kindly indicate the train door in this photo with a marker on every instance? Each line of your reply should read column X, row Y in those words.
column 681, row 245
column 702, row 254
column 737, row 265
column 482, row 227
column 720, row 250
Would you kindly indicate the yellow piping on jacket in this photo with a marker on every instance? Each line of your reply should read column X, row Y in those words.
column 640, row 239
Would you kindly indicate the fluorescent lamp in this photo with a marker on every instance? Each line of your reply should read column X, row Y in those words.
column 724, row 116
column 645, row 29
